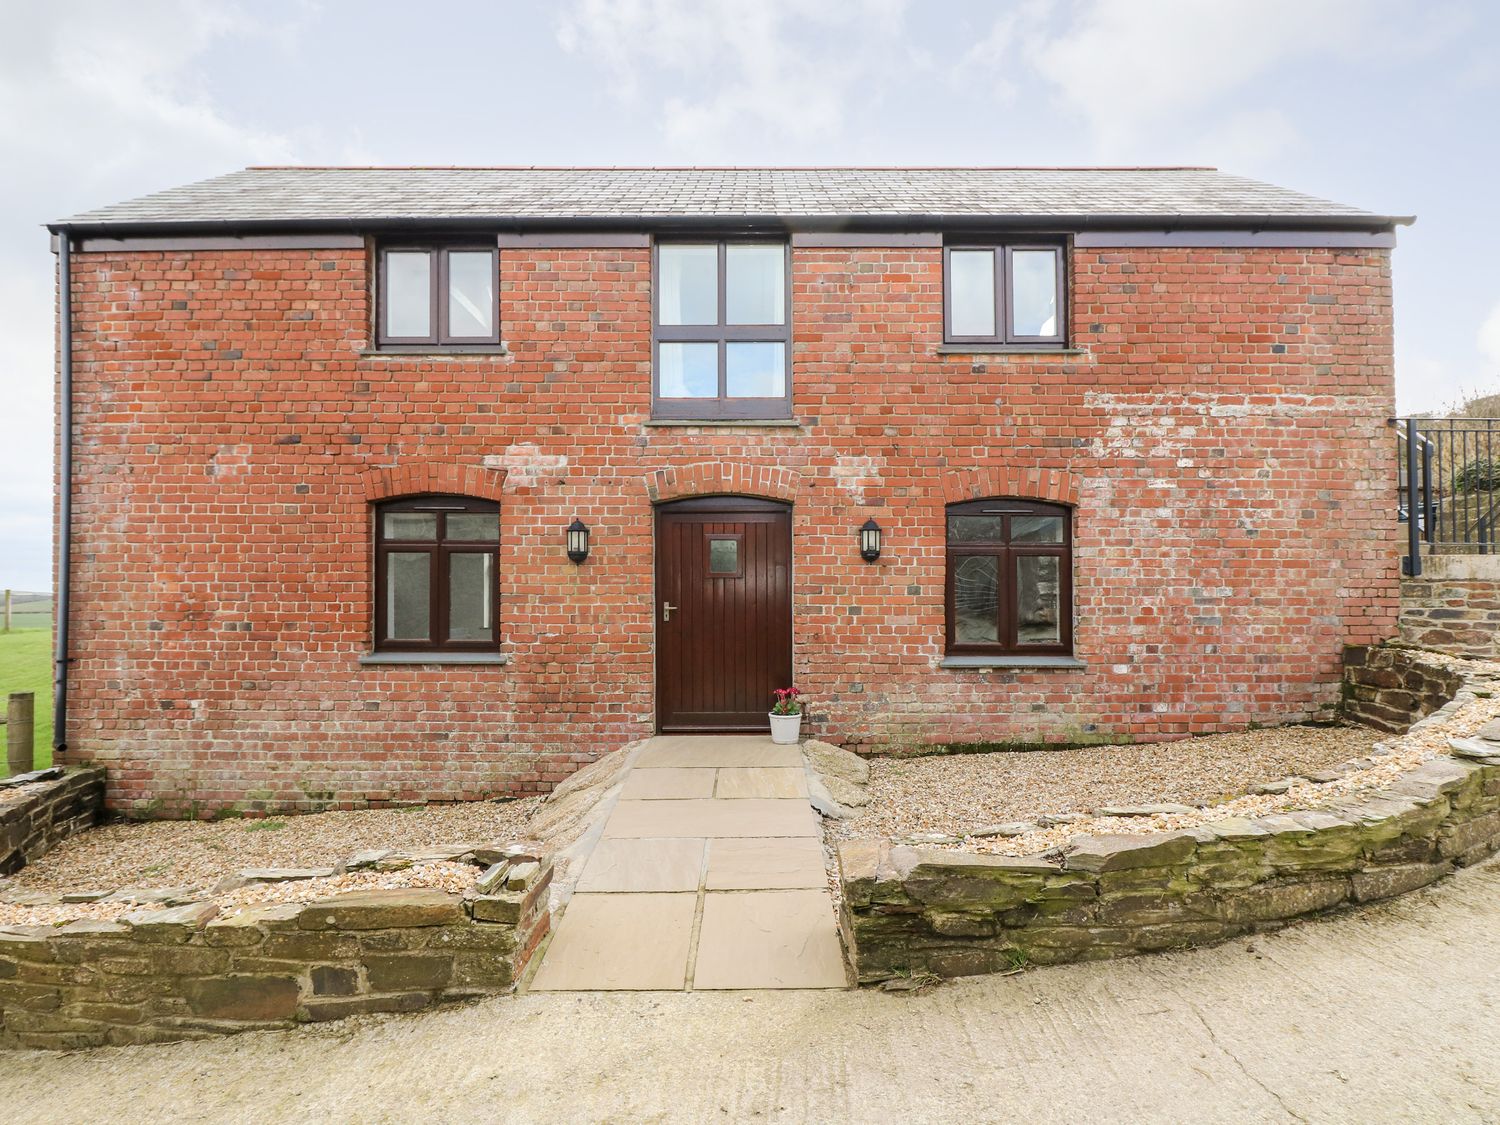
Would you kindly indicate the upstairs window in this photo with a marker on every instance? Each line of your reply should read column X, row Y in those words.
column 723, row 336
column 1004, row 294
column 438, row 296
column 1010, row 578
column 437, row 585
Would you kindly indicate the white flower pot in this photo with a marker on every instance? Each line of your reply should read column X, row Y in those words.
column 785, row 729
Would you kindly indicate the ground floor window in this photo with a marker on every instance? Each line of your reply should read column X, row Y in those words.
column 1009, row 578
column 436, row 583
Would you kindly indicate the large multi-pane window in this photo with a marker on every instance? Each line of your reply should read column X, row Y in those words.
column 723, row 330
column 436, row 583
column 438, row 295
column 1004, row 294
column 1010, row 588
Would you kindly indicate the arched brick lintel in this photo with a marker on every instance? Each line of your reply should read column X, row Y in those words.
column 414, row 478
column 720, row 478
column 1004, row 480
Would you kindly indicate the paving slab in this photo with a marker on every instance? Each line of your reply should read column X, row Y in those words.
column 751, row 818
column 700, row 821
column 740, row 782
column 619, row 941
column 769, row 939
column 765, row 864
column 699, row 752
column 619, row 866
column 668, row 784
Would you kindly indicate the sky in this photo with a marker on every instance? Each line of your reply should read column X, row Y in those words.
column 1390, row 105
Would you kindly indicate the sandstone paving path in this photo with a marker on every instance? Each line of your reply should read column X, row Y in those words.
column 709, row 874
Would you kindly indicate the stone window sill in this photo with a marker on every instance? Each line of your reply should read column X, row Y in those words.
column 1064, row 662
column 724, row 423
column 490, row 658
column 1005, row 349
column 425, row 352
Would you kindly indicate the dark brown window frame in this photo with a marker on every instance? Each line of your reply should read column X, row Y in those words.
column 437, row 294
column 440, row 549
column 721, row 407
column 1007, row 552
column 1005, row 335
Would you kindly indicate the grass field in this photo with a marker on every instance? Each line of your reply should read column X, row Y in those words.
column 29, row 611
column 26, row 665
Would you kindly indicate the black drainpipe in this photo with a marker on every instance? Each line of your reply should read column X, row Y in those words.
column 65, row 492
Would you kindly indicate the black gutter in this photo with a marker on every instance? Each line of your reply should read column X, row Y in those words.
column 65, row 494
column 649, row 223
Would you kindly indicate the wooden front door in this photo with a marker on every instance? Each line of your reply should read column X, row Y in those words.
column 723, row 612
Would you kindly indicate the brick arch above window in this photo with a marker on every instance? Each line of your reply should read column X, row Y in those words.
column 715, row 478
column 987, row 481
column 418, row 477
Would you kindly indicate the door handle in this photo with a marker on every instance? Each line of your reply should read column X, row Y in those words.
column 666, row 611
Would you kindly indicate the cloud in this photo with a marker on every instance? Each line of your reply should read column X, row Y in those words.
column 1196, row 75
column 1489, row 338
column 98, row 101
column 1425, row 383
column 712, row 69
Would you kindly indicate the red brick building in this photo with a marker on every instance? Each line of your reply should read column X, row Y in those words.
column 1123, row 434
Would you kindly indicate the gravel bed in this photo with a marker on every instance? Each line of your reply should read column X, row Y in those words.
column 178, row 853
column 455, row 878
column 958, row 794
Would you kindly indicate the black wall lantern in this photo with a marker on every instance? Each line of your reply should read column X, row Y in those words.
column 869, row 541
column 578, row 541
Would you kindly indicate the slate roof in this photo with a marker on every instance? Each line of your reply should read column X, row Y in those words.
column 267, row 197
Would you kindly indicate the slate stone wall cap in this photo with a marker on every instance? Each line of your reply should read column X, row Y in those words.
column 969, row 862
column 259, row 914
column 382, row 910
column 1236, row 828
column 91, row 927
column 1447, row 773
column 285, row 874
column 859, row 859
column 193, row 916
column 1281, row 825
column 1115, row 852
column 1473, row 748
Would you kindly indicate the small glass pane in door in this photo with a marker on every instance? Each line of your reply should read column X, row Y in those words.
column 724, row 557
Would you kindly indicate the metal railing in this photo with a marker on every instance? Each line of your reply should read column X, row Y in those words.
column 1448, row 492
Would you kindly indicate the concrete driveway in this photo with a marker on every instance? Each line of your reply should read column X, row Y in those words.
column 1387, row 1014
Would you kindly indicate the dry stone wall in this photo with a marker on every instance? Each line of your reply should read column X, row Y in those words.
column 1389, row 687
column 1454, row 606
column 909, row 910
column 40, row 810
column 184, row 972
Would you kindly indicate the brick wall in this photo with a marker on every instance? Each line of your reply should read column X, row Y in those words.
column 1223, row 436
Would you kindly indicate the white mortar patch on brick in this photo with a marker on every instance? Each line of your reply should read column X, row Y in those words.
column 853, row 473
column 525, row 465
